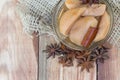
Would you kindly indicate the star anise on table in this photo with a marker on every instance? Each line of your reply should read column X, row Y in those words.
column 100, row 54
column 85, row 59
column 65, row 61
column 86, row 63
column 81, row 54
column 67, row 57
column 53, row 50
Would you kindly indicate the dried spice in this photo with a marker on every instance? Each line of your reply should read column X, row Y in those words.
column 90, row 1
column 85, row 1
column 85, row 59
column 100, row 54
column 53, row 49
column 96, row 1
column 67, row 58
column 81, row 54
column 65, row 61
column 86, row 63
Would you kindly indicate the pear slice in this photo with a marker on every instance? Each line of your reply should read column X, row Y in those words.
column 103, row 27
column 95, row 10
column 70, row 4
column 69, row 18
column 80, row 28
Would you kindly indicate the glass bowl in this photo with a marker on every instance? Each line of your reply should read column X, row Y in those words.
column 65, row 40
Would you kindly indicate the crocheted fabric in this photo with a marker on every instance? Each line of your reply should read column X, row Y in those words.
column 36, row 16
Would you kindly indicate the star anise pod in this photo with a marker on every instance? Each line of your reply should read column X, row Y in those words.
column 100, row 54
column 85, row 1
column 53, row 49
column 81, row 54
column 90, row 1
column 86, row 63
column 67, row 58
column 65, row 61
column 96, row 1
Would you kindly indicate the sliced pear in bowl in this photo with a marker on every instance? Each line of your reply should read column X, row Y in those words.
column 95, row 10
column 104, row 27
column 70, row 4
column 69, row 18
column 80, row 28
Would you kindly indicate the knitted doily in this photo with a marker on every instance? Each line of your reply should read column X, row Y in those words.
column 36, row 16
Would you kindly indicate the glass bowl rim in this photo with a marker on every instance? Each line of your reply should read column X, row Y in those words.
column 77, row 47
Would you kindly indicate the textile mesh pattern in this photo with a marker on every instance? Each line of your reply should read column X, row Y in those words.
column 36, row 16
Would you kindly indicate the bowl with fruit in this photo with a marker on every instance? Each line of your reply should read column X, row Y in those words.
column 83, row 24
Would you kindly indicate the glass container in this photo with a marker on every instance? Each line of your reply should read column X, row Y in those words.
column 65, row 40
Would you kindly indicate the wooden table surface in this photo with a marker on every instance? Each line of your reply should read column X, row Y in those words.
column 19, row 55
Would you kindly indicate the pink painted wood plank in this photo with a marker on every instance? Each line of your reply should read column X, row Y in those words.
column 110, row 70
column 18, row 60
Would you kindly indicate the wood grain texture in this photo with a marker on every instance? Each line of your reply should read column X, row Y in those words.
column 51, row 70
column 110, row 70
column 17, row 55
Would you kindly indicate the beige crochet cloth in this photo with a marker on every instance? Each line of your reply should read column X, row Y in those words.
column 36, row 16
